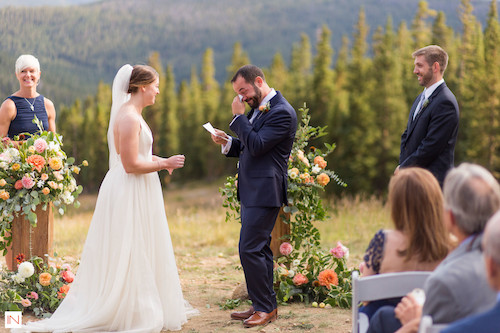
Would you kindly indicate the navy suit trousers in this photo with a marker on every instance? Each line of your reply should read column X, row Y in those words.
column 256, row 256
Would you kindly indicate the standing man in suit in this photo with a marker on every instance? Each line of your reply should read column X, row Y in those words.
column 458, row 287
column 489, row 321
column 430, row 136
column 263, row 145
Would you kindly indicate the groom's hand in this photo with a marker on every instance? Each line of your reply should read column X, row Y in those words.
column 220, row 137
column 238, row 106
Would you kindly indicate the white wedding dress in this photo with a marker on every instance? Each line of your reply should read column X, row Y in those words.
column 127, row 280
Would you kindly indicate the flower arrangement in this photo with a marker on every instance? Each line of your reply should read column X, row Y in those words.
column 34, row 171
column 305, row 272
column 35, row 287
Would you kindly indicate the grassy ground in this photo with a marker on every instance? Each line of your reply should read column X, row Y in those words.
column 207, row 258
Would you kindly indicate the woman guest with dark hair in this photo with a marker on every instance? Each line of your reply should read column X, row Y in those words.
column 18, row 110
column 419, row 241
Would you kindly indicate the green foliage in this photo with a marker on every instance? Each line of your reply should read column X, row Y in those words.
column 20, row 291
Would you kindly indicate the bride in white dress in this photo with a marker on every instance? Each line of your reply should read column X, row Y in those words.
column 127, row 280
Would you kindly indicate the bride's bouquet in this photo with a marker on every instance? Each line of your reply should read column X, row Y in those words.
column 34, row 172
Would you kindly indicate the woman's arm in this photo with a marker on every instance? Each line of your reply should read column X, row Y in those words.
column 51, row 114
column 7, row 114
column 128, row 128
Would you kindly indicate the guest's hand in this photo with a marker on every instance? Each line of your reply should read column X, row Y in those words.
column 408, row 309
column 410, row 327
column 238, row 106
column 220, row 137
column 174, row 162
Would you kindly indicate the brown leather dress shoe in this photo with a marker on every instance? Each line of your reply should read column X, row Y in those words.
column 242, row 315
column 261, row 318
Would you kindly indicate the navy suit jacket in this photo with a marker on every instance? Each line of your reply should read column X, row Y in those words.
column 263, row 148
column 429, row 140
column 486, row 322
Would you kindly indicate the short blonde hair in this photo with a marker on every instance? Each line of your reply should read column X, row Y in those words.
column 26, row 60
column 432, row 54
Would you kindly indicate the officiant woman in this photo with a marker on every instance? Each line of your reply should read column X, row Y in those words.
column 19, row 109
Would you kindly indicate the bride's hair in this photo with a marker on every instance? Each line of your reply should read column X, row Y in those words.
column 142, row 75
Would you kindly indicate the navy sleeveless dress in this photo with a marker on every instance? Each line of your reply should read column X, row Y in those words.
column 23, row 122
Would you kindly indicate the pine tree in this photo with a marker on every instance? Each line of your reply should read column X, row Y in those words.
column 153, row 114
column 322, row 82
column 298, row 86
column 421, row 30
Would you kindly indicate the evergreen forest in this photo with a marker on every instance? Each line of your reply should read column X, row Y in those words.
column 361, row 87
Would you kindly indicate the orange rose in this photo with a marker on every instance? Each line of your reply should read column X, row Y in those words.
column 44, row 176
column 327, row 278
column 45, row 190
column 15, row 166
column 63, row 291
column 320, row 161
column 4, row 195
column 323, row 179
column 44, row 279
column 3, row 182
column 37, row 161
column 18, row 185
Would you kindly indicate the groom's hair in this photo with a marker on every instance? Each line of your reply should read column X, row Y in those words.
column 432, row 54
column 142, row 75
column 249, row 73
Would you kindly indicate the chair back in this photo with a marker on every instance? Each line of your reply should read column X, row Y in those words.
column 381, row 286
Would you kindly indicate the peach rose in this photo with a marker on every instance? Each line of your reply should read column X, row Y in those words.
column 44, row 279
column 44, row 176
column 300, row 279
column 323, row 179
column 3, row 182
column 40, row 145
column 63, row 291
column 4, row 195
column 16, row 166
column 27, row 182
column 55, row 163
column 46, row 190
column 320, row 161
column 286, row 248
column 25, row 302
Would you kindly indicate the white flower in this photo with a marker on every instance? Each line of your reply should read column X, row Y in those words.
column 5, row 157
column 67, row 198
column 4, row 165
column 17, row 278
column 291, row 273
column 53, row 146
column 316, row 169
column 40, row 183
column 296, row 262
column 14, row 153
column 66, row 267
column 25, row 269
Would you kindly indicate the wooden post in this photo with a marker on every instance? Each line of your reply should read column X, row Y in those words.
column 41, row 236
column 280, row 229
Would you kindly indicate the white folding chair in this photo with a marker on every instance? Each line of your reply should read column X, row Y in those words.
column 426, row 326
column 381, row 286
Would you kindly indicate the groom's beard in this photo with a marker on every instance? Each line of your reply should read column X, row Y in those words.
column 254, row 101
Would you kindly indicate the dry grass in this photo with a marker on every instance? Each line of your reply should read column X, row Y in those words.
column 207, row 258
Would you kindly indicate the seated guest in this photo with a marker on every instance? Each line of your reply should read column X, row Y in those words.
column 419, row 240
column 458, row 287
column 489, row 321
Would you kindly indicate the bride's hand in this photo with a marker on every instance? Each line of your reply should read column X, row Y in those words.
column 174, row 162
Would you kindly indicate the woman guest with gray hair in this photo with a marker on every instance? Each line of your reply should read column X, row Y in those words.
column 18, row 110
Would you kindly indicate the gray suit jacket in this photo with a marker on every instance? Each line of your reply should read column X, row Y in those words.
column 458, row 287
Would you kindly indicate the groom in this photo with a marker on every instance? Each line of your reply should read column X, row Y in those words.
column 263, row 144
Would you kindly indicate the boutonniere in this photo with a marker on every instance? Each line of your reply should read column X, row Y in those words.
column 265, row 108
column 426, row 102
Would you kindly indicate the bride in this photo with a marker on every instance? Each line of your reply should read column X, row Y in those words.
column 127, row 280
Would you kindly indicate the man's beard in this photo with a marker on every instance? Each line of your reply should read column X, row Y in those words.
column 254, row 101
column 426, row 78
